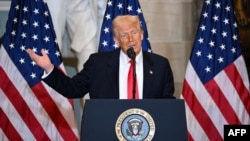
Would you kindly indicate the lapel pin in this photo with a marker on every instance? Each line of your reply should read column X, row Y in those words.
column 151, row 72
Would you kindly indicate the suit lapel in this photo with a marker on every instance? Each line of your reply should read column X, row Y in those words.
column 147, row 75
column 113, row 73
column 113, row 68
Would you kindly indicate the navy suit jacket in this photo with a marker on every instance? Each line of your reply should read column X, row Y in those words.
column 100, row 78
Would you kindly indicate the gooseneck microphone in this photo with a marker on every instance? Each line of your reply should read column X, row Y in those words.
column 131, row 54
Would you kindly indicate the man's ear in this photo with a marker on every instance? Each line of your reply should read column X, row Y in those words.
column 142, row 35
column 116, row 42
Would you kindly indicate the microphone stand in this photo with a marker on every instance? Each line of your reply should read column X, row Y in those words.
column 134, row 79
column 131, row 54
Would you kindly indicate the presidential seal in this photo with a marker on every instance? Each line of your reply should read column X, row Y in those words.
column 135, row 125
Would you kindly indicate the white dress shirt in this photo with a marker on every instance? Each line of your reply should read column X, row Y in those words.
column 123, row 74
column 124, row 65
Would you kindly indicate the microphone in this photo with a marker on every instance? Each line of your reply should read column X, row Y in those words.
column 131, row 53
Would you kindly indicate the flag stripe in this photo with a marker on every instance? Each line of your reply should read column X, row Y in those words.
column 242, row 71
column 3, row 137
column 228, row 89
column 196, row 134
column 14, row 118
column 199, row 113
column 64, row 105
column 242, row 91
column 190, row 138
column 44, row 114
column 53, row 112
column 10, row 132
column 204, row 98
column 216, row 74
column 22, row 108
column 27, row 98
column 42, row 98
column 221, row 102
column 220, row 86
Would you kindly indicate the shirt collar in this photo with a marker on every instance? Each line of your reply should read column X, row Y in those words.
column 125, row 59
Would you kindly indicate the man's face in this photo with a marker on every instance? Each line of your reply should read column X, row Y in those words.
column 129, row 35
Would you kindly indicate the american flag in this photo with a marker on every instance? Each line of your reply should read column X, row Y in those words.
column 216, row 85
column 29, row 109
column 113, row 9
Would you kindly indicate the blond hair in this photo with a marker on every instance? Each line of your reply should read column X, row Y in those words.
column 124, row 19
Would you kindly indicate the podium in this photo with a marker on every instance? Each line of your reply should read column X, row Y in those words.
column 102, row 118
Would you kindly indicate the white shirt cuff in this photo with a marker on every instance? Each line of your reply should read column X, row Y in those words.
column 45, row 74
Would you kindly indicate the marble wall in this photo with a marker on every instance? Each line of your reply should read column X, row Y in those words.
column 171, row 26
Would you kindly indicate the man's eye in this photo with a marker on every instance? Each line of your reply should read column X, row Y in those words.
column 123, row 35
column 133, row 32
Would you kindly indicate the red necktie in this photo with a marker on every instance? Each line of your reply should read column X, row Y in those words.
column 130, row 82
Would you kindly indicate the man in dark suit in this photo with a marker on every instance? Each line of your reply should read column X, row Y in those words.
column 104, row 75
